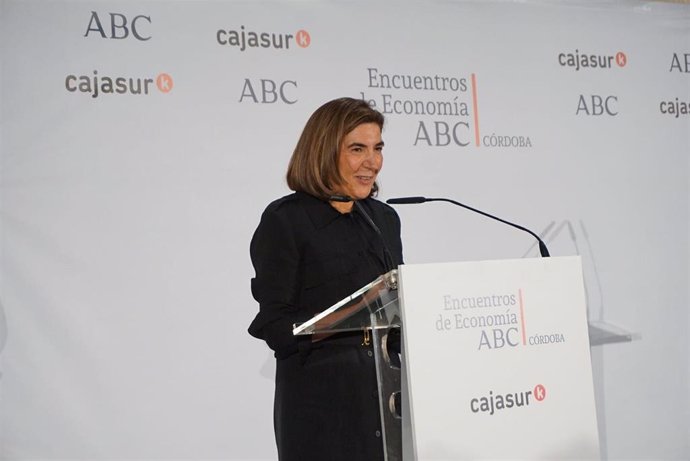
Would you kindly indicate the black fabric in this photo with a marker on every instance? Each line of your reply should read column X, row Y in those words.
column 307, row 256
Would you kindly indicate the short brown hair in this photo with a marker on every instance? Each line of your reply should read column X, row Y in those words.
column 313, row 167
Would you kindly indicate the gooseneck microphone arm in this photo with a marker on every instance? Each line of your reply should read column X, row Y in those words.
column 406, row 200
column 388, row 258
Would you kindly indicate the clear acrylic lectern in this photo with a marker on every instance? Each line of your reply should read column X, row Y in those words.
column 373, row 308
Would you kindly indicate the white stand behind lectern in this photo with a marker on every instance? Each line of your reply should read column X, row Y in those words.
column 495, row 359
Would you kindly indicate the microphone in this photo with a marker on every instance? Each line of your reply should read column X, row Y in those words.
column 407, row 200
column 340, row 198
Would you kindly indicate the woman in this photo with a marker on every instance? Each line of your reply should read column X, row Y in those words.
column 312, row 248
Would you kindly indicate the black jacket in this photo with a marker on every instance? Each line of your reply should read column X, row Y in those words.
column 307, row 257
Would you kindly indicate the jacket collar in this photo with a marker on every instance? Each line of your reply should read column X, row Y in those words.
column 319, row 211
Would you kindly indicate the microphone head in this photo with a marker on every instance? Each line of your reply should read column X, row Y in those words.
column 405, row 200
column 339, row 198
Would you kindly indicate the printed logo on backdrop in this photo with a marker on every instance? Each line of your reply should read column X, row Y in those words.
column 579, row 61
column 268, row 91
column 97, row 85
column 265, row 90
column 594, row 104
column 680, row 105
column 119, row 26
column 494, row 320
column 249, row 40
column 445, row 107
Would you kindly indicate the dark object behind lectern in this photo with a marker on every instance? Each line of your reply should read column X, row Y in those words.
column 373, row 308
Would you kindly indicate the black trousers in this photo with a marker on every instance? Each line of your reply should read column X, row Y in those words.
column 326, row 403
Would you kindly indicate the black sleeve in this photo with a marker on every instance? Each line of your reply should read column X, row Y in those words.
column 275, row 255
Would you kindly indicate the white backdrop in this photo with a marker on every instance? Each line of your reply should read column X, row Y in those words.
column 126, row 218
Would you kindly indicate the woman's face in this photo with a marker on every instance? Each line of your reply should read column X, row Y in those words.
column 360, row 159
